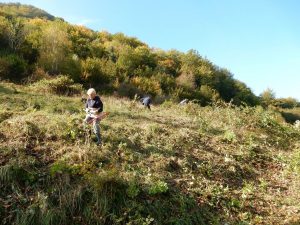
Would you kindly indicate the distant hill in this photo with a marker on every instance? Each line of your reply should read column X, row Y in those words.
column 20, row 10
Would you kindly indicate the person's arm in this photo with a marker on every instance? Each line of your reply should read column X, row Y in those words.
column 100, row 106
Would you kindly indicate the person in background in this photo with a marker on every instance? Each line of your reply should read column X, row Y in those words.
column 184, row 101
column 93, row 108
column 146, row 101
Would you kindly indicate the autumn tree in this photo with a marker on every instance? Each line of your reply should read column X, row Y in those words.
column 267, row 97
column 81, row 38
column 54, row 46
column 12, row 33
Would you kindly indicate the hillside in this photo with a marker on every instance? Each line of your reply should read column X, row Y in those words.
column 219, row 164
column 26, row 11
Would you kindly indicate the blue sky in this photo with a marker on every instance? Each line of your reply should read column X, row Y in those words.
column 257, row 40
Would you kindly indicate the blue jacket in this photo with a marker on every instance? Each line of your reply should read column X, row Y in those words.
column 94, row 103
column 146, row 101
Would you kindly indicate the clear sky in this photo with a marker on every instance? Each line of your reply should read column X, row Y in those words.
column 257, row 40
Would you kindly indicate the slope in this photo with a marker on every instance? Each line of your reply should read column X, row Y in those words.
column 188, row 164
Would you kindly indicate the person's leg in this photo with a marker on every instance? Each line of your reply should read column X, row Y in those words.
column 87, row 119
column 86, row 126
column 148, row 106
column 96, row 127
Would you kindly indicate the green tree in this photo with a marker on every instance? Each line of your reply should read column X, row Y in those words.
column 127, row 61
column 267, row 97
column 190, row 62
column 97, row 49
column 130, row 41
column 168, row 62
column 81, row 38
column 145, row 57
column 167, row 82
column 224, row 84
column 98, row 72
column 244, row 95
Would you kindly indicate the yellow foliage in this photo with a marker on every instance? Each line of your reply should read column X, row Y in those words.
column 149, row 86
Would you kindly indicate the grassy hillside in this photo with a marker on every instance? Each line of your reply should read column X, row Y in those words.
column 218, row 164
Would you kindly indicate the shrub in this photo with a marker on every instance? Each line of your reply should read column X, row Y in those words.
column 38, row 74
column 128, row 90
column 286, row 103
column 4, row 68
column 60, row 85
column 208, row 94
column 13, row 68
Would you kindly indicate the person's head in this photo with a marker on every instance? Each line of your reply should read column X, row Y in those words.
column 91, row 93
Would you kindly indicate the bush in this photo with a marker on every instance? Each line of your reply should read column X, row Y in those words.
column 128, row 90
column 60, row 85
column 13, row 68
column 38, row 74
column 286, row 103
column 4, row 68
column 208, row 94
column 99, row 72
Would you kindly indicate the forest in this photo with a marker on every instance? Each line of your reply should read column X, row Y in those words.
column 35, row 45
